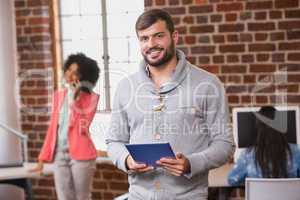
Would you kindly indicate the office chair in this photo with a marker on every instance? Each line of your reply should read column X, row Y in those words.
column 272, row 188
column 11, row 192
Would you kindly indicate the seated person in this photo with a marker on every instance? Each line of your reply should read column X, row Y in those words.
column 271, row 156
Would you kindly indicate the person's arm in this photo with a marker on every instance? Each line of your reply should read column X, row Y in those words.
column 119, row 133
column 296, row 157
column 238, row 173
column 221, row 140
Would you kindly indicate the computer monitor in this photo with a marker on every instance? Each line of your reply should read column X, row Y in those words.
column 244, row 125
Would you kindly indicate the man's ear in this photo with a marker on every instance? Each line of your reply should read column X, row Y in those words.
column 175, row 37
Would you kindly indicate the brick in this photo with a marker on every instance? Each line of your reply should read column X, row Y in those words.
column 201, row 2
column 260, row 16
column 293, row 34
column 229, row 7
column 293, row 78
column 276, row 36
column 200, row 9
column 233, row 99
column 292, row 13
column 245, row 99
column 245, row 15
column 188, row 19
column 289, row 25
column 255, row 26
column 291, row 88
column 203, row 49
column 100, row 185
column 187, row 2
column 149, row 3
column 231, row 28
column 229, row 69
column 262, row 57
column 37, row 3
column 232, row 38
column 290, row 67
column 257, row 68
column 256, row 47
column 232, row 48
column 293, row 57
column 286, row 3
column 160, row 2
column 289, row 46
column 261, row 99
column 233, row 58
column 245, row 37
column 275, row 14
column 218, row 59
column 211, row 68
column 202, row 29
column 204, row 39
column 234, row 79
column 249, row 79
column 38, row 20
column 229, row 17
column 190, row 39
column 216, row 18
column 19, row 4
column 118, row 186
column 278, row 57
column 181, row 29
column 203, row 59
column 176, row 10
column 249, row 58
column 173, row 2
column 258, row 5
column 218, row 38
column 293, row 99
column 202, row 19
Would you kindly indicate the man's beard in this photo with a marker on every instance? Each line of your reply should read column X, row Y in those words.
column 168, row 55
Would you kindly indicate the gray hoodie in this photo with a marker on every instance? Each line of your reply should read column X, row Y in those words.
column 193, row 119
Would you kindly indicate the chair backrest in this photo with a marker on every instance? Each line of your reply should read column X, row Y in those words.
column 11, row 192
column 272, row 188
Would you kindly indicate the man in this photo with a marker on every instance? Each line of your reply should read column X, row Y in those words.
column 169, row 100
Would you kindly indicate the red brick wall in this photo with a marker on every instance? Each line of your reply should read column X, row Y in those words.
column 251, row 45
column 36, row 72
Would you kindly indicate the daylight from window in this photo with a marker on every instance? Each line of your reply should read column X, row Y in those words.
column 83, row 30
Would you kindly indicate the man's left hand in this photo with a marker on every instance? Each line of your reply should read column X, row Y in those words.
column 178, row 166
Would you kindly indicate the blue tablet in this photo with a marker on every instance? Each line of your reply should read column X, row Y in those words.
column 150, row 153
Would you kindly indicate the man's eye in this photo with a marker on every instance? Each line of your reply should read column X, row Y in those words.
column 143, row 39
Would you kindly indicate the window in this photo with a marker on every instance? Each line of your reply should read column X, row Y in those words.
column 103, row 30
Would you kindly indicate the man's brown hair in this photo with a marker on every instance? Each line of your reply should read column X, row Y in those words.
column 148, row 18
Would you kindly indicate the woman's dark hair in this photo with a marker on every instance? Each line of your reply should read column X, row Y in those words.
column 272, row 150
column 150, row 17
column 88, row 70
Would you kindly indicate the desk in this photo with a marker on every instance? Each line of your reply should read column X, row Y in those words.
column 19, row 176
column 218, row 177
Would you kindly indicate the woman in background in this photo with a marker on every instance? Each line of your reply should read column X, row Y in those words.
column 271, row 156
column 68, row 142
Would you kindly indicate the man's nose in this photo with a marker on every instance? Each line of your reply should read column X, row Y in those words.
column 151, row 42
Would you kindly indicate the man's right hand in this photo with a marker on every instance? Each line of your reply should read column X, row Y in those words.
column 39, row 168
column 136, row 167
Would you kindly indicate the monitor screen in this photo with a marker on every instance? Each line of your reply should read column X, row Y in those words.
column 244, row 125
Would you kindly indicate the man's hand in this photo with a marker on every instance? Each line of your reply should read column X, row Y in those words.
column 178, row 166
column 136, row 167
column 39, row 168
